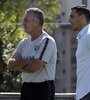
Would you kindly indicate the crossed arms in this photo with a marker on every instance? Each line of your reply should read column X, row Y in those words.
column 16, row 63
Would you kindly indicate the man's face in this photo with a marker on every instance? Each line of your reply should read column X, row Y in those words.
column 75, row 20
column 28, row 23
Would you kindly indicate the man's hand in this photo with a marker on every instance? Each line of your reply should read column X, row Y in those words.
column 15, row 62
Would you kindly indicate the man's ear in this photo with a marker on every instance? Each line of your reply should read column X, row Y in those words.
column 82, row 16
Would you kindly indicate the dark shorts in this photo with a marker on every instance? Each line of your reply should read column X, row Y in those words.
column 86, row 97
column 38, row 91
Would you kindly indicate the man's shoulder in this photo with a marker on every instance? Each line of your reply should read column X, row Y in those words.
column 24, row 40
column 48, row 36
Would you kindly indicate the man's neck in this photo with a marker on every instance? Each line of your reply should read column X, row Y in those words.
column 36, row 34
column 83, row 25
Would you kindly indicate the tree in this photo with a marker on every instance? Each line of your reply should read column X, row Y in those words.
column 11, row 16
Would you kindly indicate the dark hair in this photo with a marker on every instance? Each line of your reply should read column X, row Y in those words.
column 37, row 13
column 82, row 10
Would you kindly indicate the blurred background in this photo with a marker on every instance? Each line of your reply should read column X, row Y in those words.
column 56, row 24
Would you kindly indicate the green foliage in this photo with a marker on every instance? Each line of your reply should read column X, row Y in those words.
column 11, row 15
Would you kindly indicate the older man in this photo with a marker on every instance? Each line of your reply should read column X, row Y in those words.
column 36, row 56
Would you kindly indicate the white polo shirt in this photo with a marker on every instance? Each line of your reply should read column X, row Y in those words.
column 43, row 48
column 83, row 63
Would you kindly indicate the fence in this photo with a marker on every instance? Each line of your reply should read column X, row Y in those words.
column 58, row 96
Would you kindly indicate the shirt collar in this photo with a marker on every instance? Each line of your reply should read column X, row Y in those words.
column 83, row 31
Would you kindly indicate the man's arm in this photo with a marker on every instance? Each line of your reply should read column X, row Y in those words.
column 15, row 62
column 33, row 65
column 27, row 65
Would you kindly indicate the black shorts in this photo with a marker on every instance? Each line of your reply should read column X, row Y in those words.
column 38, row 91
